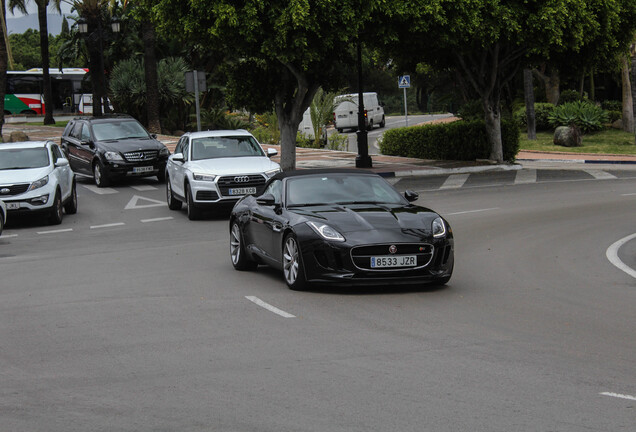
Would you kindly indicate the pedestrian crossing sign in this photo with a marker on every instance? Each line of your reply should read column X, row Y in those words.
column 404, row 81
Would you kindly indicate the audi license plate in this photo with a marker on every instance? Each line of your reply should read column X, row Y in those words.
column 13, row 206
column 140, row 170
column 394, row 261
column 242, row 191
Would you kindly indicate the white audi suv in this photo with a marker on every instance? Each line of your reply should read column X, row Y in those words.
column 216, row 168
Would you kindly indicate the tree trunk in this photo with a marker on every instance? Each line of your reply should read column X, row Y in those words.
column 44, row 53
column 528, row 91
column 152, row 82
column 551, row 83
column 493, row 128
column 592, row 87
column 628, row 103
column 3, row 67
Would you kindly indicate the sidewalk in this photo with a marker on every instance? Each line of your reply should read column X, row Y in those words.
column 391, row 166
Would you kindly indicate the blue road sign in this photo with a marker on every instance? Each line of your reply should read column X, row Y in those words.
column 404, row 81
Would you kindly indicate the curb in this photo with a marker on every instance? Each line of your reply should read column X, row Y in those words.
column 445, row 171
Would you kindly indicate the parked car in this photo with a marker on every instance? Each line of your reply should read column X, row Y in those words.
column 3, row 215
column 35, row 177
column 112, row 147
column 346, row 113
column 344, row 227
column 216, row 168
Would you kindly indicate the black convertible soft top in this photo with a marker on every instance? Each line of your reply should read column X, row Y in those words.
column 319, row 171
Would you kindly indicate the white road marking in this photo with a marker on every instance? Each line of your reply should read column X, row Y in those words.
column 108, row 225
column 55, row 231
column 269, row 307
column 143, row 188
column 612, row 256
column 157, row 219
column 620, row 396
column 4, row 236
column 629, row 194
column 455, row 181
column 471, row 211
column 525, row 176
column 600, row 175
column 100, row 191
column 133, row 203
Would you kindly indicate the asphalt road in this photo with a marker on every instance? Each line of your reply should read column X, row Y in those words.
column 129, row 317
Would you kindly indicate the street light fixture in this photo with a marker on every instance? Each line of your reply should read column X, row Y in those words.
column 94, row 42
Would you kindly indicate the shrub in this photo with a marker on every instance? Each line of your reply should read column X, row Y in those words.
column 461, row 140
column 472, row 110
column 612, row 116
column 587, row 116
column 612, row 105
column 542, row 112
column 567, row 96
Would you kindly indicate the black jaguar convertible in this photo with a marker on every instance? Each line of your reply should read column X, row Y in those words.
column 344, row 227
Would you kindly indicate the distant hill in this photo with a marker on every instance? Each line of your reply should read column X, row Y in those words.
column 19, row 25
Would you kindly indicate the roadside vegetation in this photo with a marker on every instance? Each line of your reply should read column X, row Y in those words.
column 609, row 141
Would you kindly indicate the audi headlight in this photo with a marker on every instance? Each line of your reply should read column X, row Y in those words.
column 204, row 177
column 113, row 156
column 39, row 183
column 271, row 173
column 326, row 232
column 439, row 228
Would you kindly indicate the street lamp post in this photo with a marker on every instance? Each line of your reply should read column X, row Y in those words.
column 94, row 43
column 363, row 160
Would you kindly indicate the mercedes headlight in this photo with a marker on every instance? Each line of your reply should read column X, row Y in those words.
column 203, row 177
column 439, row 228
column 39, row 183
column 164, row 152
column 113, row 156
column 326, row 232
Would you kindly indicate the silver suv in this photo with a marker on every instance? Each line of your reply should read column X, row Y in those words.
column 215, row 168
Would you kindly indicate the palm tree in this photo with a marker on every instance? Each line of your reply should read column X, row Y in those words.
column 3, row 66
column 44, row 48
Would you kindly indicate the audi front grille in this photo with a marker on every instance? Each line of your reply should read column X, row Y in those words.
column 241, row 181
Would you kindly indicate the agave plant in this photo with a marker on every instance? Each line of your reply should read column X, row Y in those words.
column 585, row 115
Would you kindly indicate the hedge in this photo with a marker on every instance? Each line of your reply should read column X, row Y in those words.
column 460, row 140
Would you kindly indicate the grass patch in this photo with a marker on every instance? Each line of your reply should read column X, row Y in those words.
column 610, row 141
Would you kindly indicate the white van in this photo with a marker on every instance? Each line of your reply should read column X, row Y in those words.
column 346, row 114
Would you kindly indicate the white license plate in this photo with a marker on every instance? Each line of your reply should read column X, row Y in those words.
column 394, row 261
column 242, row 191
column 144, row 169
column 13, row 206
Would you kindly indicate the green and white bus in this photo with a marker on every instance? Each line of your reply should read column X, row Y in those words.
column 24, row 92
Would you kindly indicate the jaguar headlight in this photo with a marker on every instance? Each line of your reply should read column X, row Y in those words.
column 113, row 156
column 439, row 228
column 326, row 232
column 39, row 183
column 203, row 177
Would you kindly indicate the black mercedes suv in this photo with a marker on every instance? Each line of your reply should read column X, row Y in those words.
column 112, row 147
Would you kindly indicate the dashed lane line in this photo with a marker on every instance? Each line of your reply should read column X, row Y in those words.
column 55, row 231
column 110, row 225
column 617, row 395
column 470, row 211
column 269, row 307
column 157, row 219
